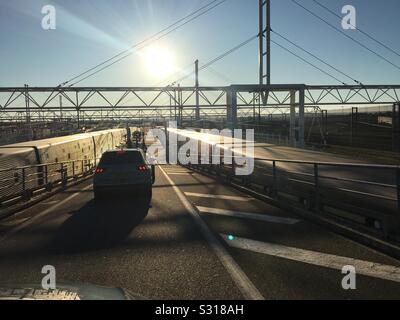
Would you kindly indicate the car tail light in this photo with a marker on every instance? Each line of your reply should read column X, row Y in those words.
column 99, row 170
column 143, row 168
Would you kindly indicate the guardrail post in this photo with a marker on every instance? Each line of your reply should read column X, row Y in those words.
column 23, row 181
column 398, row 189
column 316, row 184
column 63, row 175
column 210, row 159
column 233, row 170
column 199, row 156
column 274, row 179
column 46, row 174
column 221, row 167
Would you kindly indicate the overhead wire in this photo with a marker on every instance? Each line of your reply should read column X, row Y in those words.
column 359, row 29
column 308, row 62
column 346, row 35
column 155, row 37
column 316, row 57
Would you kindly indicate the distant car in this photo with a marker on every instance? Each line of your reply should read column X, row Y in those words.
column 125, row 173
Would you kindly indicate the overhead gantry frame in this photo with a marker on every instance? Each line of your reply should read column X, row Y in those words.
column 229, row 102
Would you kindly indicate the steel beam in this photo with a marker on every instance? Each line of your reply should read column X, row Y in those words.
column 354, row 124
column 188, row 100
column 301, row 142
column 264, row 46
column 197, row 90
column 396, row 127
column 231, row 110
column 292, row 124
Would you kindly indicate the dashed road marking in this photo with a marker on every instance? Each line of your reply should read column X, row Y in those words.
column 367, row 268
column 246, row 287
column 13, row 222
column 248, row 215
column 219, row 197
column 49, row 203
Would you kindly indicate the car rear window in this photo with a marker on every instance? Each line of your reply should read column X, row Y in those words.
column 121, row 157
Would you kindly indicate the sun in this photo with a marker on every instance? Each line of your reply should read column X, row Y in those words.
column 159, row 61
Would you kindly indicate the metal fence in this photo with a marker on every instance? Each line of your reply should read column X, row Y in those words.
column 23, row 183
column 363, row 196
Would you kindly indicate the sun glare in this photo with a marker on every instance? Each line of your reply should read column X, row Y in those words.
column 159, row 61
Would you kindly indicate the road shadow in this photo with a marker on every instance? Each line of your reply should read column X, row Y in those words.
column 99, row 225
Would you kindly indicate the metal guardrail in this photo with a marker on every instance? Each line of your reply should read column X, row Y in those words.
column 360, row 195
column 23, row 183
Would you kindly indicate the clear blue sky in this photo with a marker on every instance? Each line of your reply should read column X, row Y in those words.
column 89, row 31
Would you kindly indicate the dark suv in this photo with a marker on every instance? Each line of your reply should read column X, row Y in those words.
column 123, row 172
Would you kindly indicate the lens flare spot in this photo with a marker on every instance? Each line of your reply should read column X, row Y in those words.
column 159, row 61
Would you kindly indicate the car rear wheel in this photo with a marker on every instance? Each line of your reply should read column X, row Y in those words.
column 148, row 194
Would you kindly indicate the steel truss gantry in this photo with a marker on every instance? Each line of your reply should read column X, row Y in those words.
column 229, row 102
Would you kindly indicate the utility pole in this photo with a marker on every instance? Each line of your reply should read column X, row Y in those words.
column 268, row 36
column 354, row 123
column 61, row 111
column 292, row 128
column 77, row 109
column 28, row 114
column 180, row 111
column 264, row 54
column 396, row 127
column 196, row 65
column 175, row 116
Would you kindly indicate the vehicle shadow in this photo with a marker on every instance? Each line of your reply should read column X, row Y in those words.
column 99, row 225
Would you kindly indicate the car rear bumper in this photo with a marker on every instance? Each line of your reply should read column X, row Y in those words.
column 116, row 190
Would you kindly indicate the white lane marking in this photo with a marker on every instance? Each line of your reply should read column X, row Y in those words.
column 367, row 268
column 248, row 215
column 181, row 173
column 246, row 287
column 43, row 213
column 49, row 203
column 219, row 197
column 13, row 222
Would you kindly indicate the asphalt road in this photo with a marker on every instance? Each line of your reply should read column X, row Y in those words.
column 198, row 240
